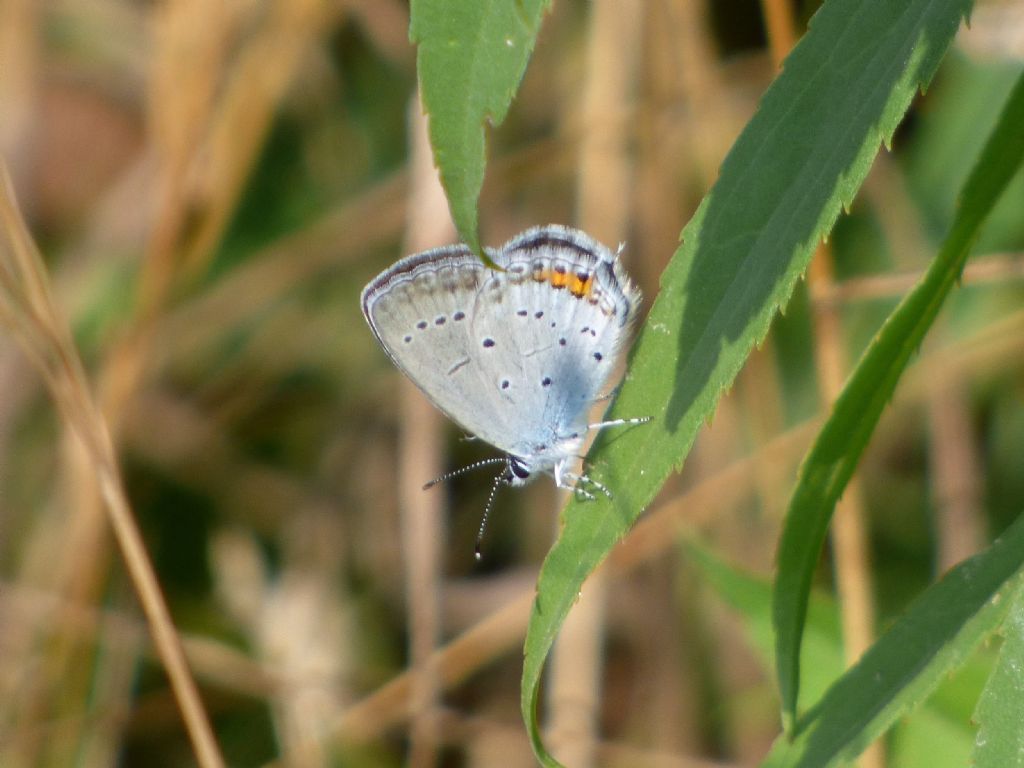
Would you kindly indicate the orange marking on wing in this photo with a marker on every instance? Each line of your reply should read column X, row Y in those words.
column 559, row 278
column 581, row 285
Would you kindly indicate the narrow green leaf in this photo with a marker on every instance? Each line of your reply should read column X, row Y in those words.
column 936, row 735
column 939, row 631
column 470, row 57
column 928, row 739
column 1000, row 713
column 940, row 733
column 835, row 453
column 802, row 156
column 750, row 596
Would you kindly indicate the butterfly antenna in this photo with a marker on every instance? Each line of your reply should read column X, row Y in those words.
column 463, row 470
column 487, row 514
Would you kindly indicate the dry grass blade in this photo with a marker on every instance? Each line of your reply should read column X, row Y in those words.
column 27, row 308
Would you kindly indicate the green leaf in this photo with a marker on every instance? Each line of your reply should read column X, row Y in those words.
column 835, row 453
column 940, row 630
column 1000, row 713
column 941, row 733
column 802, row 156
column 750, row 596
column 962, row 110
column 936, row 735
column 928, row 739
column 470, row 57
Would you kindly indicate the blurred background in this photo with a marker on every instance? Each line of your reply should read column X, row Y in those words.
column 211, row 185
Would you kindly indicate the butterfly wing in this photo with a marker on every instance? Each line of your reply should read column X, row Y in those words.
column 421, row 312
column 516, row 357
column 566, row 313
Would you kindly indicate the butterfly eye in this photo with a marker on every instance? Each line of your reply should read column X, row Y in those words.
column 518, row 468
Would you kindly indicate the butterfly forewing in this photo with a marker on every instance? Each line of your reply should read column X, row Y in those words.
column 518, row 356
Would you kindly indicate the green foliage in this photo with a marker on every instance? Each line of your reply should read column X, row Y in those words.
column 1000, row 742
column 470, row 57
column 944, row 151
column 799, row 160
column 934, row 736
column 839, row 445
column 928, row 739
column 750, row 596
column 939, row 631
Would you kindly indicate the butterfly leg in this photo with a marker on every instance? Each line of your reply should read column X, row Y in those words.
column 619, row 422
column 577, row 484
column 570, row 481
column 580, row 479
column 578, row 490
